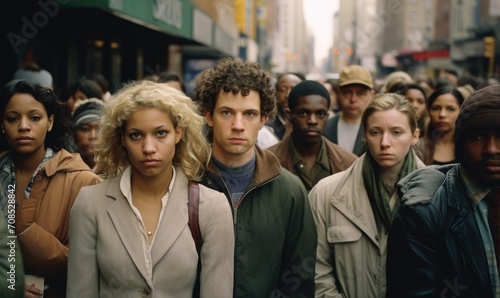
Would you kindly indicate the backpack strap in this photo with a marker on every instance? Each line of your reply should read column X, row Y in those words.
column 193, row 206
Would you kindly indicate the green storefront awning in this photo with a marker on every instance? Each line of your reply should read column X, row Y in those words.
column 169, row 16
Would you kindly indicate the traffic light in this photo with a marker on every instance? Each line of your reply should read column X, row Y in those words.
column 489, row 47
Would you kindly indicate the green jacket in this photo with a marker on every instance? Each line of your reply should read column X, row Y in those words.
column 275, row 233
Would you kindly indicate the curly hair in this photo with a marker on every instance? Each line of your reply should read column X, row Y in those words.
column 191, row 152
column 57, row 136
column 235, row 75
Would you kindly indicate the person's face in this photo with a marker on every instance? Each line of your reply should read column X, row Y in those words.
column 482, row 155
column 26, row 124
column 86, row 137
column 443, row 112
column 79, row 95
column 354, row 99
column 309, row 118
column 417, row 99
column 70, row 103
column 283, row 88
column 236, row 122
column 149, row 138
column 389, row 137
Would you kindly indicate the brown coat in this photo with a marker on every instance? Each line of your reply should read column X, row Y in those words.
column 338, row 158
column 44, row 242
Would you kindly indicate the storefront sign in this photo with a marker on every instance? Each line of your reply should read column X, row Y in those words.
column 170, row 16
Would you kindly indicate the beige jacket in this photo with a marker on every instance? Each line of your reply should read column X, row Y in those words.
column 351, row 252
column 107, row 259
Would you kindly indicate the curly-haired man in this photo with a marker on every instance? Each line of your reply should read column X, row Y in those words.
column 274, row 229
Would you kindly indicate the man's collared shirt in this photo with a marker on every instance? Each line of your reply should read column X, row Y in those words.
column 320, row 170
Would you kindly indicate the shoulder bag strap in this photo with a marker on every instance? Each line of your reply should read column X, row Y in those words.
column 193, row 205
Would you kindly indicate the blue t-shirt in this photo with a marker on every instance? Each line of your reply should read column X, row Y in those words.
column 236, row 179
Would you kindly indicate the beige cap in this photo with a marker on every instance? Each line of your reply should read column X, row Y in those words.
column 355, row 74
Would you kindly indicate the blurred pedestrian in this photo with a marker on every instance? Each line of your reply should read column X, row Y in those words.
column 425, row 82
column 354, row 209
column 355, row 93
column 34, row 74
column 306, row 152
column 395, row 80
column 443, row 107
column 274, row 229
column 86, row 119
column 83, row 88
column 333, row 89
column 416, row 95
column 284, row 85
column 46, row 177
column 129, row 236
column 445, row 241
column 172, row 80
column 103, row 83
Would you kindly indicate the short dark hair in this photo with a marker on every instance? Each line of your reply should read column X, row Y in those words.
column 166, row 77
column 307, row 88
column 88, row 87
column 404, row 88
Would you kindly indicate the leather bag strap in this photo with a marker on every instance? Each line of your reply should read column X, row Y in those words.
column 193, row 205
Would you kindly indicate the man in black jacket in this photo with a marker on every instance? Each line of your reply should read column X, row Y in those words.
column 445, row 240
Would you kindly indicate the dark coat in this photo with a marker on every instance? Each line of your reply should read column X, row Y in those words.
column 331, row 133
column 435, row 248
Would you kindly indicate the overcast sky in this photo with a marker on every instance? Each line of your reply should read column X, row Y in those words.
column 319, row 18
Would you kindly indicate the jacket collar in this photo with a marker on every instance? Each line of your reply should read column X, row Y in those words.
column 171, row 225
column 351, row 200
column 267, row 167
column 62, row 161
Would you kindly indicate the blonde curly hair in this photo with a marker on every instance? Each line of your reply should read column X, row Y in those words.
column 191, row 152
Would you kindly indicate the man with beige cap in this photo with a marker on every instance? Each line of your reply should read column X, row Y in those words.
column 355, row 92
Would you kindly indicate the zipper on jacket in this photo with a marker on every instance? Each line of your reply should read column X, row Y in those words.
column 235, row 207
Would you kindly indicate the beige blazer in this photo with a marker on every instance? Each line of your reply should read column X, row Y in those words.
column 106, row 257
column 351, row 252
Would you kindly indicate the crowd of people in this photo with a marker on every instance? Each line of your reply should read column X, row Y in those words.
column 257, row 186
